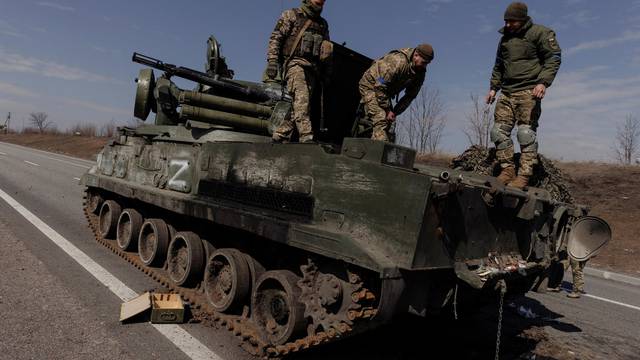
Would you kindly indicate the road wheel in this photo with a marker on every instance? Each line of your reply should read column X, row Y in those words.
column 128, row 229
column 275, row 307
column 185, row 258
column 94, row 203
column 227, row 280
column 153, row 242
column 108, row 218
column 255, row 268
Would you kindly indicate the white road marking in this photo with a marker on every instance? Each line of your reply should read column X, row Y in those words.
column 30, row 163
column 78, row 179
column 34, row 150
column 1, row 153
column 67, row 162
column 613, row 302
column 569, row 289
column 191, row 346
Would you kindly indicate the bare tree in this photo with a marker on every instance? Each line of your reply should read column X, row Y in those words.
column 627, row 140
column 108, row 129
column 5, row 127
column 84, row 129
column 39, row 120
column 423, row 126
column 478, row 122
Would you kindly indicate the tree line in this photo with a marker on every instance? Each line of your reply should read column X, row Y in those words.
column 40, row 123
column 422, row 128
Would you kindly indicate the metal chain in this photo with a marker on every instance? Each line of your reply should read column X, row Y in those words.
column 503, row 291
column 455, row 303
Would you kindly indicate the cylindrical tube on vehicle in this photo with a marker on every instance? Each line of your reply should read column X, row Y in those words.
column 208, row 101
column 224, row 118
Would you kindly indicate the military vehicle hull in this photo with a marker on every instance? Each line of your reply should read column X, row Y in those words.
column 294, row 245
column 295, row 250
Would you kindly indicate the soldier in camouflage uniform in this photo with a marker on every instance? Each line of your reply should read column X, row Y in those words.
column 294, row 48
column 403, row 69
column 527, row 62
column 577, row 270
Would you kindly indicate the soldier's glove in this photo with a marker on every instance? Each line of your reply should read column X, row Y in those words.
column 272, row 70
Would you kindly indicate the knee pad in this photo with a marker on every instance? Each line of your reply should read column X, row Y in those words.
column 527, row 138
column 501, row 135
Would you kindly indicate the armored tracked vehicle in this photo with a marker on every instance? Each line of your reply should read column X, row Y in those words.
column 294, row 245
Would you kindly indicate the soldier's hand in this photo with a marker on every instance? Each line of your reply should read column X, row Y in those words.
column 491, row 97
column 539, row 91
column 272, row 70
column 391, row 116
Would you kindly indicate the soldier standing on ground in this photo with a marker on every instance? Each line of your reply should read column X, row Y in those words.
column 403, row 69
column 577, row 270
column 294, row 49
column 527, row 62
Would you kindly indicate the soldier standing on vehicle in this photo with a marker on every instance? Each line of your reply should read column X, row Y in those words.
column 527, row 62
column 403, row 69
column 294, row 50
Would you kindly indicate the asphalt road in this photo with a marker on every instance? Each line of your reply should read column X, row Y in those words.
column 54, row 307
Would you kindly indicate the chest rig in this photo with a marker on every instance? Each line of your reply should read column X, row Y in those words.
column 310, row 43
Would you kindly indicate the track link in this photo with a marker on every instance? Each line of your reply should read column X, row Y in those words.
column 240, row 325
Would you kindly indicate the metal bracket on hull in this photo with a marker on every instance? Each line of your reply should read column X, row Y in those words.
column 393, row 286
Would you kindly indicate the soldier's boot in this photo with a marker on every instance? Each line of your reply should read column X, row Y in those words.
column 574, row 295
column 520, row 182
column 308, row 138
column 507, row 174
column 281, row 137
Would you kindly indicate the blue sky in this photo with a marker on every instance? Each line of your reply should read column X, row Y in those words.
column 71, row 59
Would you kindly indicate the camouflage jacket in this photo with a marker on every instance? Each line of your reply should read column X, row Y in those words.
column 285, row 32
column 529, row 57
column 390, row 75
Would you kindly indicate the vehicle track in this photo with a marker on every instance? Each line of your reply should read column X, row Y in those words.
column 241, row 326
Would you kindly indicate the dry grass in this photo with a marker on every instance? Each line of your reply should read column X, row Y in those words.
column 613, row 193
column 78, row 146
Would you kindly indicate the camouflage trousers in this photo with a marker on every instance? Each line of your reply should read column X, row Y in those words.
column 376, row 114
column 577, row 270
column 522, row 109
column 301, row 82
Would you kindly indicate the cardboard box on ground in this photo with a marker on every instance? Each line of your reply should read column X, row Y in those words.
column 166, row 308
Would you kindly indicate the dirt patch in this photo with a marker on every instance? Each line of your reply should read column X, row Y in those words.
column 546, row 174
column 77, row 146
column 613, row 193
column 470, row 337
